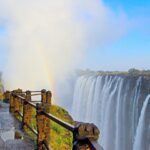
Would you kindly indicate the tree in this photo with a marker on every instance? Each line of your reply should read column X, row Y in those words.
column 133, row 71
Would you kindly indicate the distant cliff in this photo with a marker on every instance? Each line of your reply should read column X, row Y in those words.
column 131, row 72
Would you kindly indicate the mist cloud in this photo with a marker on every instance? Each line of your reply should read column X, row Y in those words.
column 48, row 38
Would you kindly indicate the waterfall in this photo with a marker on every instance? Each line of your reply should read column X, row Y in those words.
column 140, row 139
column 114, row 103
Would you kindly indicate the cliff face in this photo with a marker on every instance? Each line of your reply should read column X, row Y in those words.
column 143, row 88
column 115, row 103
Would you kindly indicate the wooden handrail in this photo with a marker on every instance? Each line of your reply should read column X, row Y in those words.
column 19, row 113
column 36, row 101
column 35, row 94
column 58, row 121
column 31, row 129
column 46, row 145
column 25, row 100
column 35, row 91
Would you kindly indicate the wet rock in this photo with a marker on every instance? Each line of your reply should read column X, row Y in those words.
column 88, row 130
column 18, row 135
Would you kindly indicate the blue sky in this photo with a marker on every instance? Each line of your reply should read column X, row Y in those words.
column 132, row 49
column 128, row 51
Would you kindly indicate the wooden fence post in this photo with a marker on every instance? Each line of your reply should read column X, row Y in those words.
column 43, row 96
column 27, row 111
column 47, row 108
column 40, row 126
column 20, row 103
column 28, row 96
column 11, row 103
column 16, row 103
column 49, row 97
column 43, row 123
column 7, row 96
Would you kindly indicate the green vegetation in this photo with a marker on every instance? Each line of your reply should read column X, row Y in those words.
column 130, row 72
column 134, row 71
column 1, row 89
column 1, row 96
column 60, row 137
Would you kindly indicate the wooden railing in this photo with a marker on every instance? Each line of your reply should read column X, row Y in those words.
column 85, row 135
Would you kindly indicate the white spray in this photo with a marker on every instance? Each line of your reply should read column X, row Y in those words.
column 47, row 38
column 140, row 141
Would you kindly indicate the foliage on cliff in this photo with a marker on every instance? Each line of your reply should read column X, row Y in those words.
column 1, row 90
column 60, row 137
column 130, row 72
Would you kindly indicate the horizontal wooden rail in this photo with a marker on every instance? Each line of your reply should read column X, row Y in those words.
column 46, row 145
column 36, row 101
column 35, row 91
column 24, row 100
column 19, row 96
column 31, row 104
column 36, row 94
column 31, row 129
column 23, row 92
column 19, row 113
column 58, row 121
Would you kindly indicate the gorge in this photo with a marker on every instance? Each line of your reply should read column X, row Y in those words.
column 119, row 104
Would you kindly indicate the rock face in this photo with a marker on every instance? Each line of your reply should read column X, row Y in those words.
column 88, row 130
column 114, row 103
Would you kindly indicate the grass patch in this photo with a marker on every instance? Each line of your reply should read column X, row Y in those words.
column 60, row 138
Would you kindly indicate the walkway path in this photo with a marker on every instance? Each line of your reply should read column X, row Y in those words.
column 11, row 137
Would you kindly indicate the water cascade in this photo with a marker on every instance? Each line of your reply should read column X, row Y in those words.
column 118, row 105
column 143, row 132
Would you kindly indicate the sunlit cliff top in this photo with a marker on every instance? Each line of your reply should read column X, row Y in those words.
column 131, row 72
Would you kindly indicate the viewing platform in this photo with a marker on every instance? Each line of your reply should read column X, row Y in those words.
column 11, row 136
column 22, row 118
